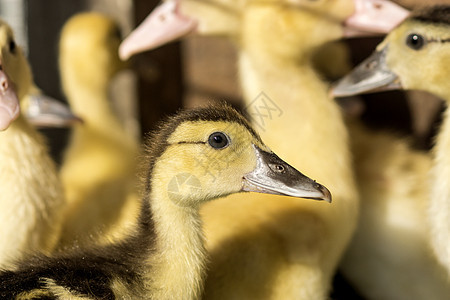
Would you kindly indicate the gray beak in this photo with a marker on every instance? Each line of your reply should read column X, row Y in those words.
column 372, row 75
column 44, row 111
column 272, row 175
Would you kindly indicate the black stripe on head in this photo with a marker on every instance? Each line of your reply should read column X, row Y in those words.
column 439, row 14
column 157, row 143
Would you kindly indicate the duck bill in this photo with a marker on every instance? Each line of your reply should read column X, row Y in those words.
column 43, row 111
column 274, row 176
column 372, row 75
column 9, row 102
column 374, row 17
column 164, row 24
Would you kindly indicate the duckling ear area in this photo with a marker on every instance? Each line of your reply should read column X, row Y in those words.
column 419, row 54
column 214, row 155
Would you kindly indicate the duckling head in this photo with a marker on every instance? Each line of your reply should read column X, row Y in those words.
column 15, row 76
column 416, row 55
column 280, row 23
column 88, row 50
column 206, row 153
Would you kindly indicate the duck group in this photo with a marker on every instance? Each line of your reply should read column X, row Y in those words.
column 202, row 208
column 292, row 257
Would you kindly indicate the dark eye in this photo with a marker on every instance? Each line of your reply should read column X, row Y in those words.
column 415, row 41
column 12, row 46
column 218, row 140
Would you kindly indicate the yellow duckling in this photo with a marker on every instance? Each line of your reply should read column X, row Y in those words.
column 31, row 198
column 98, row 171
column 290, row 250
column 390, row 256
column 164, row 257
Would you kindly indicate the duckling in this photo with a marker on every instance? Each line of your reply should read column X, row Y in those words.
column 177, row 18
column 289, row 258
column 32, row 200
column 98, row 171
column 164, row 258
column 291, row 262
column 394, row 250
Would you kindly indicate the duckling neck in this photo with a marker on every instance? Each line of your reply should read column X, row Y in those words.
column 101, row 127
column 301, row 123
column 295, row 102
column 177, row 265
column 439, row 212
column 28, row 184
column 93, row 105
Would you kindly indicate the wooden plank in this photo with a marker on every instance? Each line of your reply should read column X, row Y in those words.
column 160, row 86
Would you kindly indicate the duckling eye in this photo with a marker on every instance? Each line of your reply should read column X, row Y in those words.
column 12, row 46
column 218, row 140
column 415, row 41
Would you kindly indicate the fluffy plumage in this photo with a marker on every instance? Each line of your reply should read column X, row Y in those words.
column 284, row 245
column 392, row 247
column 31, row 198
column 431, row 68
column 164, row 257
column 98, row 171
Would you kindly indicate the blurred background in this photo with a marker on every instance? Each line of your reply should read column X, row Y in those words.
column 187, row 73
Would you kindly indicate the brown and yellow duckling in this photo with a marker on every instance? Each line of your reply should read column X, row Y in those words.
column 276, row 41
column 164, row 257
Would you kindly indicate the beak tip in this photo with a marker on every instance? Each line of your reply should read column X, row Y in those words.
column 123, row 52
column 325, row 192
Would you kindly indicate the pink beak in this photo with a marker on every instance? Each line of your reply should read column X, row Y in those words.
column 374, row 17
column 163, row 25
column 9, row 103
column 167, row 23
